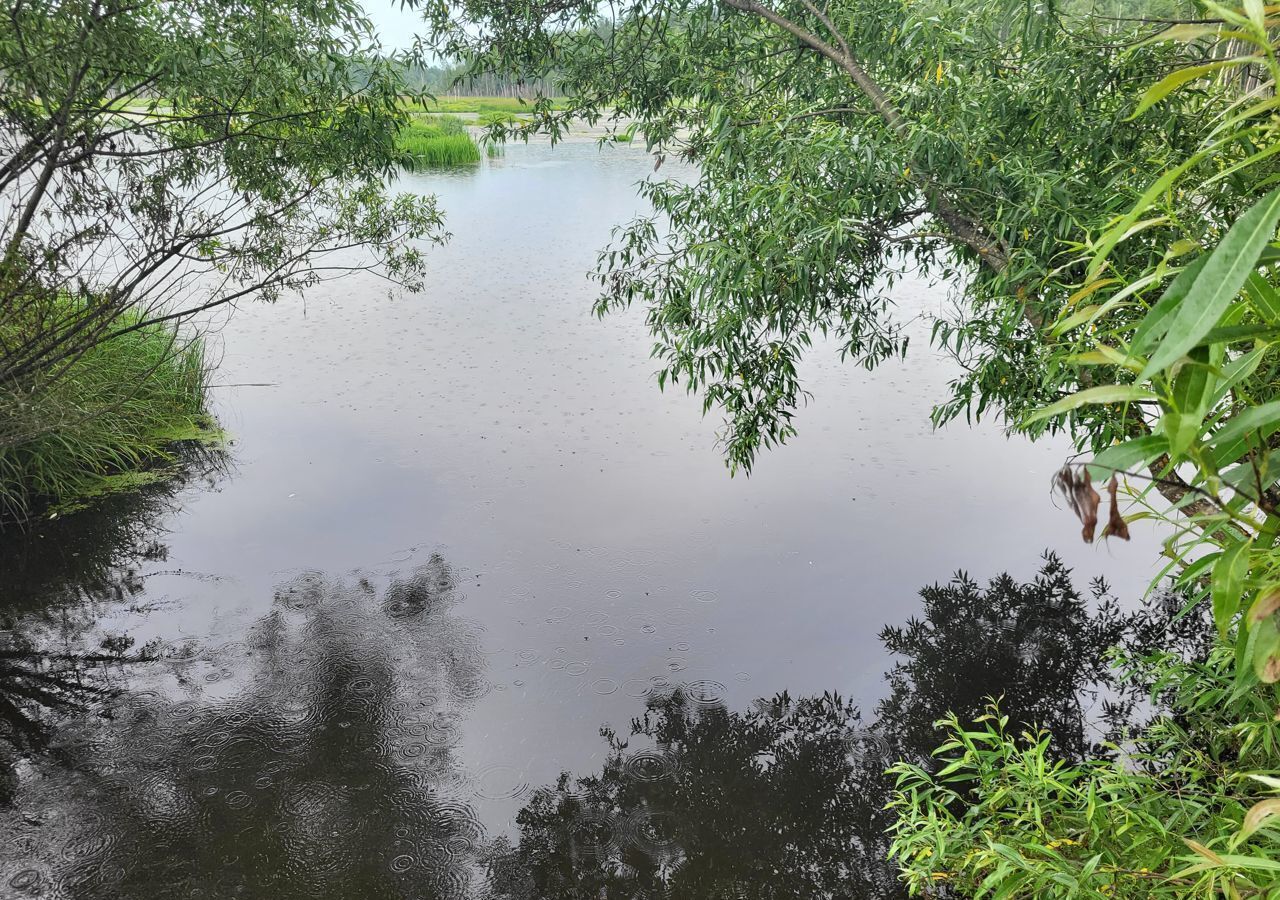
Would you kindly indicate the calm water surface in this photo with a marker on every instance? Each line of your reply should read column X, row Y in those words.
column 458, row 533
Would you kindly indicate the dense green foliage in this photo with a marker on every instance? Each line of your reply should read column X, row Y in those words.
column 836, row 150
column 438, row 141
column 1183, row 353
column 159, row 160
column 1187, row 812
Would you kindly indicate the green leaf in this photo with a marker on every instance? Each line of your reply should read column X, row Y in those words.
column 1183, row 422
column 1235, row 334
column 1156, row 321
column 1218, row 282
column 1116, row 232
column 1174, row 80
column 1263, row 297
column 1236, row 372
column 1106, row 393
column 1125, row 457
column 1227, row 583
column 1231, row 442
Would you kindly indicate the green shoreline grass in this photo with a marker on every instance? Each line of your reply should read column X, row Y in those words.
column 442, row 141
column 109, row 423
column 479, row 105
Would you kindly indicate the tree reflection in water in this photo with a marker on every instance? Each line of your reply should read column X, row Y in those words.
column 787, row 799
column 311, row 760
column 316, row 757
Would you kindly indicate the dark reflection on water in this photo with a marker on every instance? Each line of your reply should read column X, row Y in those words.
column 313, row 759
column 787, row 799
column 316, row 757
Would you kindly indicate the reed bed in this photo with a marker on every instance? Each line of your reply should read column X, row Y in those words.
column 439, row 141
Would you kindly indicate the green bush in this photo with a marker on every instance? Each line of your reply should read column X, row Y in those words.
column 113, row 413
column 1186, row 810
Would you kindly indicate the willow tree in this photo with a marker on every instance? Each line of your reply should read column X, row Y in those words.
column 838, row 146
column 160, row 159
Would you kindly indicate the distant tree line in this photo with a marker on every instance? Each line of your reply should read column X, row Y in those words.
column 454, row 81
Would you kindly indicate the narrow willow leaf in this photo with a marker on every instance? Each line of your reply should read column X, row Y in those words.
column 1263, row 297
column 1076, row 319
column 1257, row 814
column 1231, row 441
column 1234, row 334
column 1183, row 422
column 1237, row 371
column 1251, row 862
column 1269, row 780
column 1089, row 289
column 1257, row 14
column 1156, row 321
column 1218, row 283
column 1183, row 32
column 1113, row 234
column 1227, row 583
column 1128, row 456
column 1246, row 476
column 1106, row 393
column 1174, row 80
column 1204, row 851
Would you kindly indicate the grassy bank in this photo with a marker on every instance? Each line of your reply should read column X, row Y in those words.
column 439, row 141
column 108, row 422
column 481, row 105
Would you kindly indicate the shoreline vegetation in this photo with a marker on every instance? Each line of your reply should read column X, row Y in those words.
column 478, row 105
column 154, row 174
column 117, row 418
column 438, row 141
column 124, row 413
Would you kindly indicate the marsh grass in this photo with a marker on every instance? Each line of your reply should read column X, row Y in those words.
column 112, row 416
column 482, row 105
column 439, row 141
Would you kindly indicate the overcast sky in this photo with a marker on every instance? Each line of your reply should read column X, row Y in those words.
column 396, row 26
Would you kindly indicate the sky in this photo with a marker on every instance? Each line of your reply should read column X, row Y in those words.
column 396, row 26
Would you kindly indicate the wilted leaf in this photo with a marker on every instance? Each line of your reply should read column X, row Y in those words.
column 1257, row 814
column 1174, row 80
column 1116, row 525
column 1266, row 650
column 1081, row 497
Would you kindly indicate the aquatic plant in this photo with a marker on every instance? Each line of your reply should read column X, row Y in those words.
column 438, row 141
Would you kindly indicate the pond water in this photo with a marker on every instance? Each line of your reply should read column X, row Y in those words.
column 456, row 535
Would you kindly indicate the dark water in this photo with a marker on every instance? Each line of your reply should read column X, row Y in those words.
column 460, row 533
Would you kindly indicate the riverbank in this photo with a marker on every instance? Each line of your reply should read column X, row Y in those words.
column 106, row 419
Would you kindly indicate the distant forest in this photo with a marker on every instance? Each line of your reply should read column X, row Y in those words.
column 453, row 81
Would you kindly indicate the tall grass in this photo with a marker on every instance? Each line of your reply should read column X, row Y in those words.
column 440, row 141
column 113, row 413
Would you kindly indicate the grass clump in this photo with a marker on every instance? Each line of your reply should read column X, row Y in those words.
column 101, row 422
column 439, row 141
